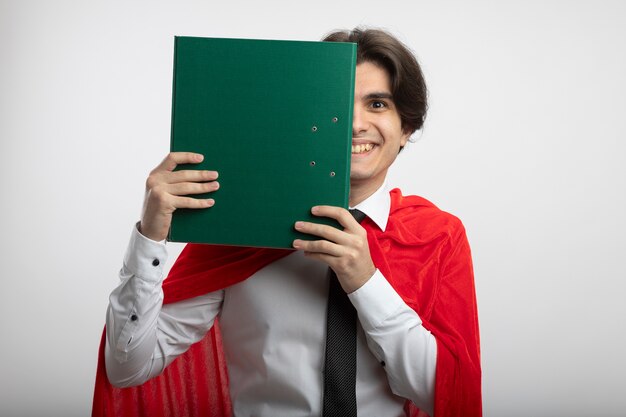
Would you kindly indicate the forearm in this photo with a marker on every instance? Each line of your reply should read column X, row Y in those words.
column 133, row 312
column 143, row 336
column 396, row 337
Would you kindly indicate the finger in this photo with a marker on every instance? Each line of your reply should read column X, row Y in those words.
column 321, row 230
column 157, row 178
column 319, row 246
column 188, row 188
column 190, row 175
column 327, row 259
column 192, row 203
column 173, row 159
column 342, row 215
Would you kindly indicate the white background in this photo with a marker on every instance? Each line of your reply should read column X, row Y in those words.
column 524, row 141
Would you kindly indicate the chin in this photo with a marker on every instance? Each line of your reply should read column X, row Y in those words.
column 360, row 170
column 358, row 176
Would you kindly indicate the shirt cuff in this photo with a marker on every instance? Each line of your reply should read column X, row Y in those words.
column 145, row 257
column 376, row 301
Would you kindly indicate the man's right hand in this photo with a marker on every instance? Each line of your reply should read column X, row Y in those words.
column 166, row 191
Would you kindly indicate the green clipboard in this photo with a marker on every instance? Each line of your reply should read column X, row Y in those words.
column 274, row 118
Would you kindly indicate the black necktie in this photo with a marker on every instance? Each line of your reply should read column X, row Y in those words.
column 340, row 363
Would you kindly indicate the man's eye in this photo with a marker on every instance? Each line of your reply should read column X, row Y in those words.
column 379, row 104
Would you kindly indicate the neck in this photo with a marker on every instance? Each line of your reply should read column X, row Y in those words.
column 359, row 191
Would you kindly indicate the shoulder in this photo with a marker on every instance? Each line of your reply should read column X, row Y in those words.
column 421, row 217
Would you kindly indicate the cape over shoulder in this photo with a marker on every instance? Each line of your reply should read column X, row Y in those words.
column 419, row 219
column 425, row 256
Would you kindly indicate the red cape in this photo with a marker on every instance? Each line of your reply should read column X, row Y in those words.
column 424, row 255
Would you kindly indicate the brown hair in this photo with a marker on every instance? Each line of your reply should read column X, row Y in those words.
column 407, row 81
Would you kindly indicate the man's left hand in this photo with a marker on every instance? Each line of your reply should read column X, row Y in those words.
column 345, row 251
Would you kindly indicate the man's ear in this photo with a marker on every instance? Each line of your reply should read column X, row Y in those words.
column 404, row 139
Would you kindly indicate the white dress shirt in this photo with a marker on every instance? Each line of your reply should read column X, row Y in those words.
column 274, row 332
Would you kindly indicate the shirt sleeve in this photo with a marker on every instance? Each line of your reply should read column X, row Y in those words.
column 143, row 335
column 396, row 337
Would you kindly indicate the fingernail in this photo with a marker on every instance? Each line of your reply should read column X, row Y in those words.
column 199, row 157
column 315, row 209
column 299, row 225
column 296, row 243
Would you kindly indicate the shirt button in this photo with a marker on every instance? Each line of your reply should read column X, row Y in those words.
column 155, row 262
column 382, row 363
column 133, row 317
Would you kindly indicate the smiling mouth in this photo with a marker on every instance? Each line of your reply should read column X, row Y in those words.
column 362, row 148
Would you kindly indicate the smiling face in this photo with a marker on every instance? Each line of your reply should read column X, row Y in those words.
column 377, row 134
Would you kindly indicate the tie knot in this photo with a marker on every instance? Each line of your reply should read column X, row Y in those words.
column 357, row 214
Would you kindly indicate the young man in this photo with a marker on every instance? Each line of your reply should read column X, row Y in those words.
column 406, row 270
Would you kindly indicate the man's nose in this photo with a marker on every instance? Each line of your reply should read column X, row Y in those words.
column 360, row 122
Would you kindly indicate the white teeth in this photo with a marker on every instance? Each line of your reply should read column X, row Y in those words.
column 362, row 148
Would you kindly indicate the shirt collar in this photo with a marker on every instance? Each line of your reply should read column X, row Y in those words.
column 377, row 206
